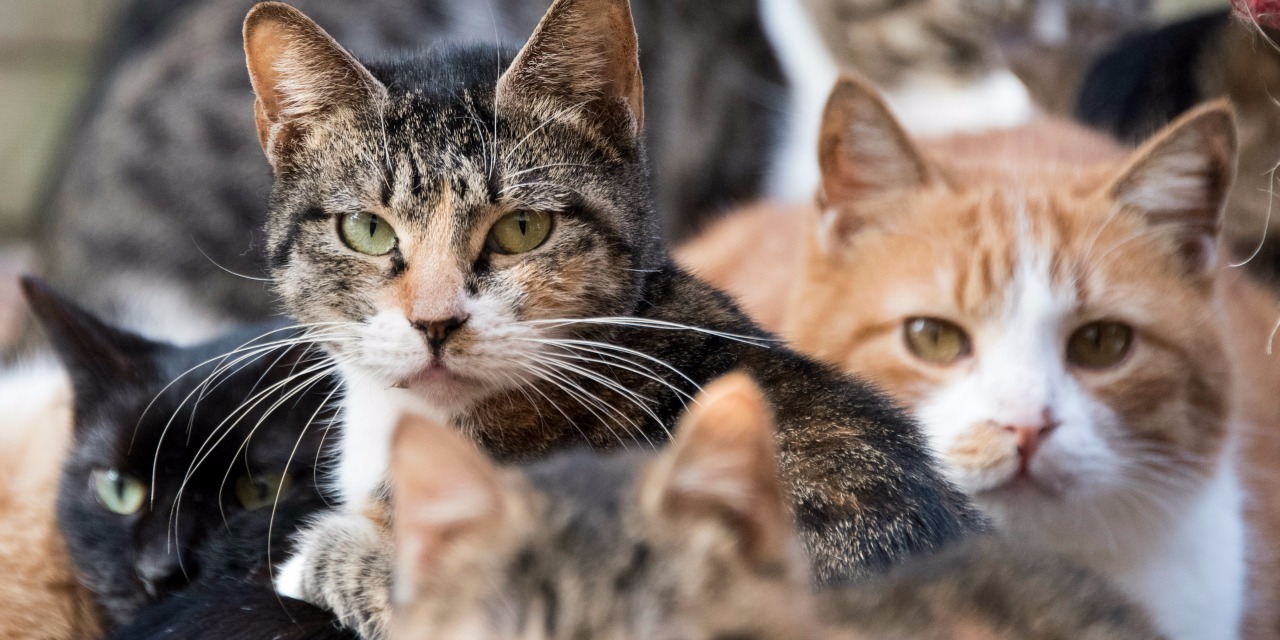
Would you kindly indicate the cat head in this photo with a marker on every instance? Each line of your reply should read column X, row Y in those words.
column 693, row 543
column 170, row 452
column 443, row 211
column 1040, row 300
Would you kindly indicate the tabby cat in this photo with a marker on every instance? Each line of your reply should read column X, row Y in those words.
column 187, row 464
column 696, row 542
column 1048, row 306
column 476, row 230
column 163, row 188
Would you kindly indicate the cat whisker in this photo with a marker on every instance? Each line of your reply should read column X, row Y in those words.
column 594, row 348
column 585, row 398
column 651, row 323
column 546, row 166
column 640, row 401
column 554, row 117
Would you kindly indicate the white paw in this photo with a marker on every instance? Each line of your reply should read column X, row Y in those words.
column 288, row 578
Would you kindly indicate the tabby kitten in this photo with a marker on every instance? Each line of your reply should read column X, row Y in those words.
column 187, row 463
column 695, row 542
column 488, row 256
column 1048, row 306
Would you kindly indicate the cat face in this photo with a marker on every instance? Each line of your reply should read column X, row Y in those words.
column 162, row 464
column 695, row 543
column 443, row 225
column 1050, row 325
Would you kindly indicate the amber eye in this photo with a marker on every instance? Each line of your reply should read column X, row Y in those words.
column 520, row 231
column 1098, row 345
column 259, row 490
column 367, row 233
column 936, row 341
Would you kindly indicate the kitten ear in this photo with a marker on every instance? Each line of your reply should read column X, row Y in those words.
column 446, row 493
column 1181, row 179
column 723, row 465
column 583, row 52
column 299, row 74
column 97, row 356
column 862, row 150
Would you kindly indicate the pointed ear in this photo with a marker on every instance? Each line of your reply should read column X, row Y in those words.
column 723, row 465
column 583, row 52
column 1180, row 180
column 97, row 356
column 862, row 150
column 299, row 74
column 446, row 494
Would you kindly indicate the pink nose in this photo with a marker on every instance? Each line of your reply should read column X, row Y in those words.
column 1029, row 439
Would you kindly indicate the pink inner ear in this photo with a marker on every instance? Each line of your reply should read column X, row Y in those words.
column 266, row 46
column 1265, row 12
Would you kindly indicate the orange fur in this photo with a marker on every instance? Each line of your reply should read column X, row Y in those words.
column 936, row 231
column 40, row 598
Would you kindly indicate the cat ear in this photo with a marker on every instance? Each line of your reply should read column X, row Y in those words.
column 299, row 74
column 1181, row 178
column 446, row 494
column 97, row 356
column 583, row 52
column 862, row 150
column 723, row 465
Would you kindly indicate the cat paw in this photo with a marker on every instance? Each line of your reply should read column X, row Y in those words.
column 288, row 578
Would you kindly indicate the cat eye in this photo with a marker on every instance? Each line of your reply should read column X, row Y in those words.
column 260, row 490
column 367, row 233
column 519, row 232
column 1098, row 345
column 936, row 341
column 119, row 492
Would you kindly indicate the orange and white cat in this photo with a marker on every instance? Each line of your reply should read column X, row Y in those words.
column 1049, row 307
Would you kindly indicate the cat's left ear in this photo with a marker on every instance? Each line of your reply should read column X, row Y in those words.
column 583, row 56
column 722, row 468
column 1180, row 180
column 300, row 75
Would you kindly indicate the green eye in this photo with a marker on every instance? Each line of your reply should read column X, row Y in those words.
column 119, row 492
column 260, row 490
column 520, row 231
column 936, row 341
column 367, row 233
column 1099, row 344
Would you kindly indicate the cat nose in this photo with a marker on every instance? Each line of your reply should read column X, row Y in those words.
column 1030, row 437
column 438, row 331
column 161, row 573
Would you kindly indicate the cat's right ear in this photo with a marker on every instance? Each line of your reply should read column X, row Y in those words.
column 449, row 499
column 722, row 467
column 97, row 356
column 300, row 76
column 863, row 152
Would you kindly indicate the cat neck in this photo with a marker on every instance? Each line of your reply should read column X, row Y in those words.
column 1185, row 563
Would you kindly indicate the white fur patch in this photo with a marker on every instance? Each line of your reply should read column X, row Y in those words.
column 929, row 105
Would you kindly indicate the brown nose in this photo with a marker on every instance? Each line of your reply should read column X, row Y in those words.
column 438, row 331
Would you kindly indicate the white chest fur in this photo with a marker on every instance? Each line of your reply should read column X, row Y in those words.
column 1189, row 572
column 370, row 412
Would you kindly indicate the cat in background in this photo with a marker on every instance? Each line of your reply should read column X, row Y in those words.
column 509, row 280
column 39, row 595
column 186, row 464
column 1051, row 308
column 696, row 541
column 946, row 66
column 1149, row 78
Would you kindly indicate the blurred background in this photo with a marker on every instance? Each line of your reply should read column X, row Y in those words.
column 48, row 52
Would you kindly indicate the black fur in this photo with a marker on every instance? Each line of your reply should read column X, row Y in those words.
column 123, row 403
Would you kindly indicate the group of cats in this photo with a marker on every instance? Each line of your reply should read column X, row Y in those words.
column 1035, row 401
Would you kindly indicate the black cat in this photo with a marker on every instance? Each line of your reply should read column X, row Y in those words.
column 189, row 464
